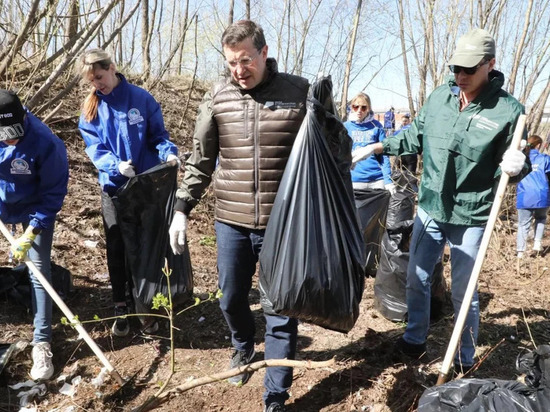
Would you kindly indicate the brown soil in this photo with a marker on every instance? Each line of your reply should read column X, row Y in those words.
column 365, row 377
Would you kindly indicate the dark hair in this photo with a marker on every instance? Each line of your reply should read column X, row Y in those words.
column 241, row 30
column 533, row 141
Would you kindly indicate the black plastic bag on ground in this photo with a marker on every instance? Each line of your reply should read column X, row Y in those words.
column 312, row 259
column 372, row 208
column 144, row 208
column 391, row 278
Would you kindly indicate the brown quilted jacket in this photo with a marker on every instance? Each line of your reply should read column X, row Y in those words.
column 251, row 133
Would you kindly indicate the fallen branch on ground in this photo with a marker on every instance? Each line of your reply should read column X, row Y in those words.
column 157, row 399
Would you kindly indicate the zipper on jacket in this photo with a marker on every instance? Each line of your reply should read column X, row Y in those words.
column 255, row 128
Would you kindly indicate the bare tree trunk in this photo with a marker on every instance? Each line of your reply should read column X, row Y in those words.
column 247, row 6
column 231, row 12
column 72, row 24
column 349, row 59
column 145, row 50
column 298, row 66
column 69, row 56
column 535, row 117
column 20, row 39
column 404, row 54
column 519, row 50
column 192, row 86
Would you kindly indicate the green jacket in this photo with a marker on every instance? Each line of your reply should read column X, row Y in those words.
column 461, row 150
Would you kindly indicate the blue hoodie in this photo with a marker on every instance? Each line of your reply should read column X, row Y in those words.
column 376, row 167
column 532, row 190
column 33, row 176
column 128, row 126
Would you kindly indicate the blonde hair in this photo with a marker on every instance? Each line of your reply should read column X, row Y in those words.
column 87, row 63
column 362, row 99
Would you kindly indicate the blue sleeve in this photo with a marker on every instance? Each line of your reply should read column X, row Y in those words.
column 101, row 156
column 385, row 165
column 53, row 169
column 156, row 132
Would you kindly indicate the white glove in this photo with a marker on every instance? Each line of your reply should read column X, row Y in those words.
column 177, row 233
column 512, row 162
column 390, row 187
column 522, row 144
column 171, row 157
column 126, row 169
column 362, row 153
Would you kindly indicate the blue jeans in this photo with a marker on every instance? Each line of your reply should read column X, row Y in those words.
column 427, row 243
column 525, row 218
column 238, row 251
column 40, row 254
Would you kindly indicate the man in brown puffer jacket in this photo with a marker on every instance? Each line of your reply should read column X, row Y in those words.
column 249, row 123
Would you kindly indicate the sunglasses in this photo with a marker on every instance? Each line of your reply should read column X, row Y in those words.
column 356, row 107
column 467, row 70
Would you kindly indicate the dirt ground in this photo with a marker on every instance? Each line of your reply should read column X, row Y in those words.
column 365, row 376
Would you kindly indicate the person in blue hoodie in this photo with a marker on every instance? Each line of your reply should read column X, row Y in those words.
column 34, row 173
column 123, row 128
column 373, row 172
column 533, row 197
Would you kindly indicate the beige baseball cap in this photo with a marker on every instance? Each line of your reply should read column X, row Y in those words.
column 472, row 48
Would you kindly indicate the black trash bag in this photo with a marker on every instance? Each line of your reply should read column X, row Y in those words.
column 484, row 395
column 372, row 208
column 536, row 366
column 15, row 282
column 391, row 278
column 401, row 207
column 312, row 259
column 144, row 208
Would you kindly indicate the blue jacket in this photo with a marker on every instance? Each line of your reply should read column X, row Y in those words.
column 33, row 176
column 532, row 190
column 376, row 167
column 128, row 125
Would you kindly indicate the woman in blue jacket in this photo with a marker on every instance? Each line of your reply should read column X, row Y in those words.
column 124, row 132
column 34, row 174
column 533, row 197
column 373, row 172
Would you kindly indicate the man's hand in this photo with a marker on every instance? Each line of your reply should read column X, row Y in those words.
column 362, row 153
column 127, row 169
column 512, row 162
column 177, row 233
column 23, row 244
column 390, row 187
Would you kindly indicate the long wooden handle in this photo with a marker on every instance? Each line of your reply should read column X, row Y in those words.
column 472, row 284
column 59, row 302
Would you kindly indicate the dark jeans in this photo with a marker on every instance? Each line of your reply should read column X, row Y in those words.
column 116, row 257
column 238, row 251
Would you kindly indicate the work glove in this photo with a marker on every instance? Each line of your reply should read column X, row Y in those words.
column 390, row 187
column 512, row 162
column 177, row 233
column 362, row 153
column 23, row 244
column 173, row 157
column 127, row 169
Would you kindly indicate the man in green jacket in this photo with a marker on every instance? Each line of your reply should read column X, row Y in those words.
column 463, row 132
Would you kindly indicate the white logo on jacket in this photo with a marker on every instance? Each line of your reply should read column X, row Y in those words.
column 134, row 116
column 19, row 167
column 484, row 123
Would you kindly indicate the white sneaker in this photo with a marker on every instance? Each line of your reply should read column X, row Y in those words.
column 537, row 247
column 42, row 367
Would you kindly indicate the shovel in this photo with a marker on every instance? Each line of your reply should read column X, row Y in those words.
column 470, row 289
column 59, row 302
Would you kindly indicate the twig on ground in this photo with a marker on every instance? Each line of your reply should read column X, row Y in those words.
column 528, row 328
column 159, row 398
column 483, row 358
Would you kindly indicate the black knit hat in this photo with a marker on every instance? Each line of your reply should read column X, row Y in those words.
column 12, row 115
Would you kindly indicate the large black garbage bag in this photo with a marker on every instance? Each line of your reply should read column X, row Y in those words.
column 536, row 366
column 391, row 277
column 312, row 259
column 484, row 395
column 401, row 207
column 144, row 208
column 372, row 208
